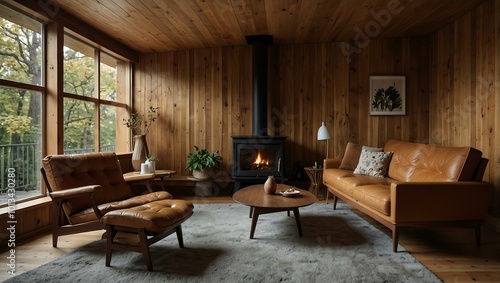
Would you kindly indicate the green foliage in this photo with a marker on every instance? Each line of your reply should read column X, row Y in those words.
column 16, row 124
column 152, row 158
column 201, row 159
column 135, row 121
column 387, row 99
column 20, row 61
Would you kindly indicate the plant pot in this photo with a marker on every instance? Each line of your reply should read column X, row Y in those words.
column 140, row 152
column 203, row 174
column 151, row 166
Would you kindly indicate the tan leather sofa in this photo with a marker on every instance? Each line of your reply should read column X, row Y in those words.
column 424, row 185
column 84, row 187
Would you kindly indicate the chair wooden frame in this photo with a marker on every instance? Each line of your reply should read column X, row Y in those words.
column 144, row 241
column 59, row 228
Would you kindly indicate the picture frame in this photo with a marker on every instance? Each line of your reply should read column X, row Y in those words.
column 387, row 95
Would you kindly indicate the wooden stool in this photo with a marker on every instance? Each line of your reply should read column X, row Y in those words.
column 136, row 228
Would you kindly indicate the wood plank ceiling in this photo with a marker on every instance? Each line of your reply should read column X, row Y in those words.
column 168, row 25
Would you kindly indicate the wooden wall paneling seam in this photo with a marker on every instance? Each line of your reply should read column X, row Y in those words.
column 184, row 94
column 494, row 127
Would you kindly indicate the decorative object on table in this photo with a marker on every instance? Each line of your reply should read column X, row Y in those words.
column 202, row 163
column 387, row 95
column 151, row 162
column 270, row 185
column 140, row 152
column 139, row 125
column 290, row 192
column 324, row 134
column 144, row 168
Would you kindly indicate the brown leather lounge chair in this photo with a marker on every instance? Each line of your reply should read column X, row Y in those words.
column 84, row 187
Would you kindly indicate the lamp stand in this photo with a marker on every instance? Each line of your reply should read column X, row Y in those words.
column 326, row 149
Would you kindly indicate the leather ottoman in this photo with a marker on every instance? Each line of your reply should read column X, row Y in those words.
column 136, row 228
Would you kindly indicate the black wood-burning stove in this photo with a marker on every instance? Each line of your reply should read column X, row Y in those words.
column 258, row 156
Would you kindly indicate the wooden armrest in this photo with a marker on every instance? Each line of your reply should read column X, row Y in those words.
column 75, row 192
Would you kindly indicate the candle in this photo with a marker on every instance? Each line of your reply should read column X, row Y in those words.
column 144, row 168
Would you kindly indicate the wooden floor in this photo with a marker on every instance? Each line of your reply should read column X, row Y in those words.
column 450, row 253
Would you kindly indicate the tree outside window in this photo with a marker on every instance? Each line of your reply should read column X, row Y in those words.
column 21, row 91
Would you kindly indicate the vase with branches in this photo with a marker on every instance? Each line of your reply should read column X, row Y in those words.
column 140, row 125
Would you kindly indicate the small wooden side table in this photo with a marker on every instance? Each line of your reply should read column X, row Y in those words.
column 316, row 177
column 136, row 178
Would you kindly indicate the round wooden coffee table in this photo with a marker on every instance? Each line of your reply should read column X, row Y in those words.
column 262, row 203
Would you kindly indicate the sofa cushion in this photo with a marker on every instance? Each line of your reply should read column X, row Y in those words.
column 352, row 153
column 351, row 156
column 346, row 181
column 404, row 158
column 373, row 163
column 376, row 196
column 444, row 163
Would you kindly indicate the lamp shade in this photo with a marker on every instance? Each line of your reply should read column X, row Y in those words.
column 323, row 133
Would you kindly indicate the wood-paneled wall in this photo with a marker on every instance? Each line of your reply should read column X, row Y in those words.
column 452, row 90
column 204, row 97
column 465, row 87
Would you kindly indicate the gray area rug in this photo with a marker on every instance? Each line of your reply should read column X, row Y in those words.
column 337, row 246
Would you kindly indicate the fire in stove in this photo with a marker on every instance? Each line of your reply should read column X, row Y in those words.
column 260, row 163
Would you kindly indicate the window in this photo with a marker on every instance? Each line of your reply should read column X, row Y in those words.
column 96, row 94
column 21, row 93
column 95, row 102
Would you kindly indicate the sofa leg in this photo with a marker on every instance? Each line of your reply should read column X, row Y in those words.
column 477, row 230
column 335, row 198
column 395, row 239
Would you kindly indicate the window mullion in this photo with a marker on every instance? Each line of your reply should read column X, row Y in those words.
column 97, row 87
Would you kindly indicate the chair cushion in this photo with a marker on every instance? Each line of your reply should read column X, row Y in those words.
column 69, row 171
column 156, row 217
column 88, row 214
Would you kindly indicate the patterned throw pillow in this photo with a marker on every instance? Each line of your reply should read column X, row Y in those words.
column 373, row 163
column 352, row 153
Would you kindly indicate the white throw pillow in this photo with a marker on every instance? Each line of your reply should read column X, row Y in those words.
column 373, row 163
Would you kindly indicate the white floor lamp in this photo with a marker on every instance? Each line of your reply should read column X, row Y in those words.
column 324, row 134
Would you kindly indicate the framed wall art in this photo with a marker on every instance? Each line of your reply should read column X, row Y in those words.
column 387, row 95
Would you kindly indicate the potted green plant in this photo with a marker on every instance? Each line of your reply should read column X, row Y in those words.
column 202, row 162
column 151, row 161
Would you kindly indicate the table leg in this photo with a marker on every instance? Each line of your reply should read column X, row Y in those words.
column 255, row 217
column 297, row 220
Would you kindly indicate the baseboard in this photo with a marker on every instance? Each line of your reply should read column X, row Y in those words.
column 493, row 223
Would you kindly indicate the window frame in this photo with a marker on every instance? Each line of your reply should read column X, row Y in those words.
column 54, row 27
column 42, row 89
column 96, row 99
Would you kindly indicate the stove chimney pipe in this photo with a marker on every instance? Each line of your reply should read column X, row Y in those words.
column 259, row 82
